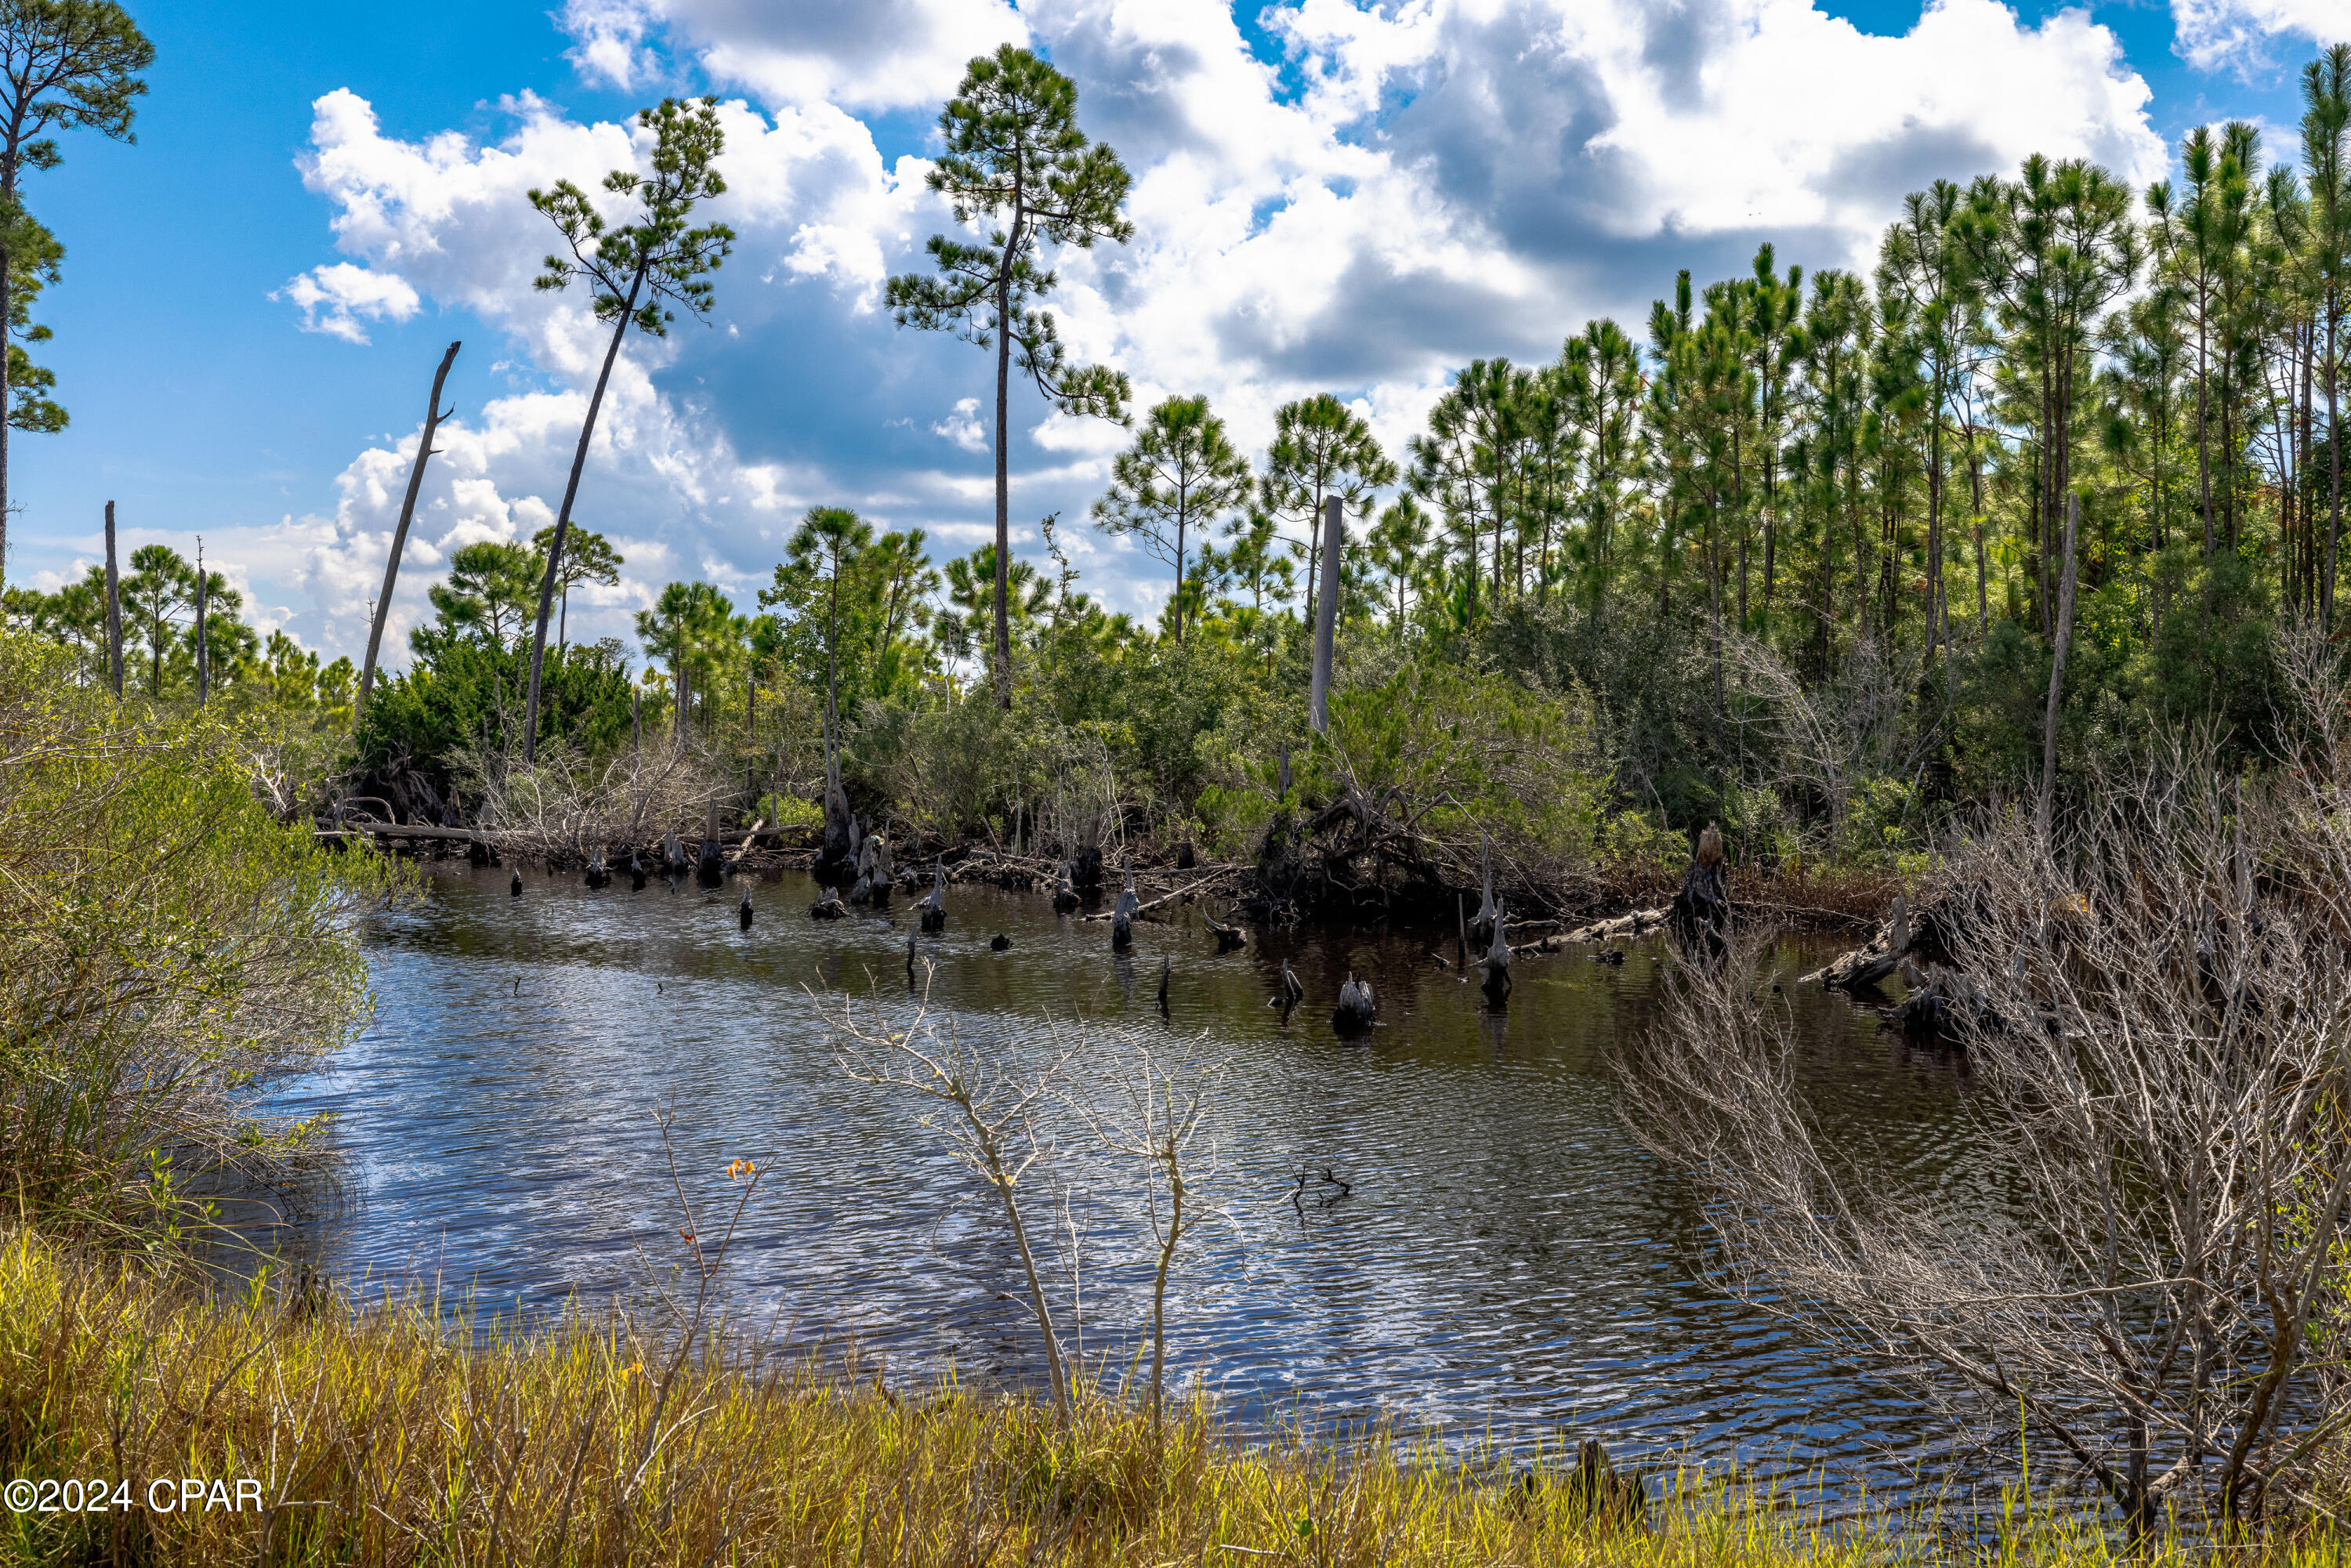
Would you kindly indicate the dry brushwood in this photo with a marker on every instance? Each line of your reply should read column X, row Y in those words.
column 2158, row 1028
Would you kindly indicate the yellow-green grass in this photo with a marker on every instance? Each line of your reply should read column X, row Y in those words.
column 396, row 1435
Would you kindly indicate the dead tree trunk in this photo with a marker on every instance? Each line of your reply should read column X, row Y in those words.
column 1326, row 615
column 113, row 610
column 433, row 414
column 2064, row 638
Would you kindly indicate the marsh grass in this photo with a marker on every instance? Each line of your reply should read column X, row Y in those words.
column 406, row 1434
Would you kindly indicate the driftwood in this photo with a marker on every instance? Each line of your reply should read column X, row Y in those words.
column 1165, row 899
column 1639, row 923
column 1868, row 965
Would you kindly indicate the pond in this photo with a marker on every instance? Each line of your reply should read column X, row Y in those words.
column 1506, row 1262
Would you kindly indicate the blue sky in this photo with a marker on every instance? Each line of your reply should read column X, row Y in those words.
column 1327, row 197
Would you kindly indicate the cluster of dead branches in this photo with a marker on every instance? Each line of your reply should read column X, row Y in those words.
column 1002, row 1121
column 2157, row 1015
column 565, row 806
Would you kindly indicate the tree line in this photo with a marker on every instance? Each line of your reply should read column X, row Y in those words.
column 2055, row 412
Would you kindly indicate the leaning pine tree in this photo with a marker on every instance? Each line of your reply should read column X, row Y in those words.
column 634, row 270
column 1014, row 153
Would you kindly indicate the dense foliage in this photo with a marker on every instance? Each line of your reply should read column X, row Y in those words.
column 1794, row 557
column 172, row 947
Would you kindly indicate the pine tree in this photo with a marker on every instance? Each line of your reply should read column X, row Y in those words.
column 635, row 272
column 1015, row 154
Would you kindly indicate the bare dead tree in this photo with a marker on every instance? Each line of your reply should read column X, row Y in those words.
column 2157, row 1013
column 991, row 1121
column 1158, row 1109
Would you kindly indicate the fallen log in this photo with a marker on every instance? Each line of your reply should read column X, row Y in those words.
column 1868, row 965
column 1165, row 898
column 402, row 830
column 1639, row 923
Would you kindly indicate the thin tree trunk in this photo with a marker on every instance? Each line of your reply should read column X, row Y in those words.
column 2065, row 636
column 204, row 639
column 563, row 521
column 1159, row 1282
column 433, row 417
column 2334, row 472
column 113, row 610
column 1326, row 615
column 1004, row 465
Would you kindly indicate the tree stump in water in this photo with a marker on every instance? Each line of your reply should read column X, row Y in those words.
column 836, row 859
column 1702, row 908
column 1358, row 1010
column 709, row 869
column 933, row 910
column 1496, row 963
column 1086, row 872
column 1121, row 918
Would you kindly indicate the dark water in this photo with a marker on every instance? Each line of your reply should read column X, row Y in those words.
column 1508, row 1262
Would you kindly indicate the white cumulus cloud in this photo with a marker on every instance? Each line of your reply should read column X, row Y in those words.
column 2211, row 34
column 336, row 297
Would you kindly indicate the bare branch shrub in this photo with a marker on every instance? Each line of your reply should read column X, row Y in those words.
column 988, row 1115
column 567, row 804
column 2156, row 1018
column 1829, row 741
column 1156, row 1118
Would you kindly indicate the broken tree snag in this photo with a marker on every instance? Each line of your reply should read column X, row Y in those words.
column 836, row 860
column 1702, row 908
column 1086, row 872
column 1358, row 1010
column 933, row 909
column 1229, row 939
column 672, row 858
column 1488, row 910
column 599, row 874
column 1868, row 964
column 709, row 869
column 1065, row 889
column 1326, row 621
column 113, row 610
column 433, row 414
column 1497, row 962
column 1121, row 918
